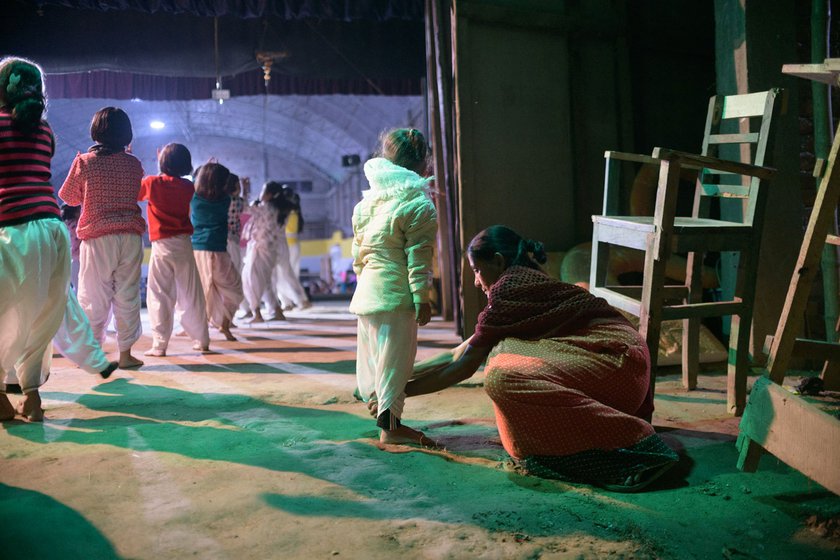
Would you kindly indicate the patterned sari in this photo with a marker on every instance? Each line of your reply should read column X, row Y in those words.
column 571, row 391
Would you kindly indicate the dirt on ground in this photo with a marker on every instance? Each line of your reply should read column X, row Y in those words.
column 260, row 450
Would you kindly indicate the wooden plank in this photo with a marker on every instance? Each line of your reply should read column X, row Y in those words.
column 744, row 138
column 701, row 310
column 819, row 349
column 807, row 266
column 815, row 72
column 832, row 239
column 795, row 431
column 624, row 156
column 620, row 301
column 749, row 105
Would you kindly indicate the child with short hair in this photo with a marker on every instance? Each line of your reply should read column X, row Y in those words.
column 105, row 182
column 221, row 281
column 173, row 275
column 394, row 229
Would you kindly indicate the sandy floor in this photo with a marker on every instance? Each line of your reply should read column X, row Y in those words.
column 260, row 451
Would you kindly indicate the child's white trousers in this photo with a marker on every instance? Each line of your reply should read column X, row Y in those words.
column 222, row 285
column 109, row 277
column 387, row 346
column 173, row 277
column 34, row 272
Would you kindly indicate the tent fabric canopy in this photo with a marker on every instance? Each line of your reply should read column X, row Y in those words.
column 343, row 10
column 325, row 46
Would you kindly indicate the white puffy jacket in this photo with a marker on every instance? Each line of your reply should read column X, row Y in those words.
column 394, row 229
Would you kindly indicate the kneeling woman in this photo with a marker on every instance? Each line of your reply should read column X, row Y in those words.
column 568, row 375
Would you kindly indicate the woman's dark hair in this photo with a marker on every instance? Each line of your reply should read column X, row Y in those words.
column 405, row 147
column 111, row 130
column 211, row 180
column 22, row 93
column 175, row 160
column 513, row 247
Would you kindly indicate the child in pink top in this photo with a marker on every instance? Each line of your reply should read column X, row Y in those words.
column 105, row 182
column 173, row 276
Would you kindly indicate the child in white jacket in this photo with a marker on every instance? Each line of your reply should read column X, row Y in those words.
column 394, row 229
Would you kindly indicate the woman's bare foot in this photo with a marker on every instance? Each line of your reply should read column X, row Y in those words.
column 403, row 435
column 156, row 352
column 201, row 347
column 7, row 411
column 257, row 317
column 30, row 407
column 182, row 332
column 127, row 361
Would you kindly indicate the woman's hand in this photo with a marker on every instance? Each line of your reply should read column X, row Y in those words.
column 423, row 313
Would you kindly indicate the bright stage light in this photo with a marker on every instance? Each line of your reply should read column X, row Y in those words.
column 157, row 125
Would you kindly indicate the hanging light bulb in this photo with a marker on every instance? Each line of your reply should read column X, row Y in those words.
column 218, row 94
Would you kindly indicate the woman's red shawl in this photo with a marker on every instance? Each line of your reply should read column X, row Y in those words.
column 529, row 304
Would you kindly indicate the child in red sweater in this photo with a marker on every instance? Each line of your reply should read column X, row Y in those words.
column 173, row 276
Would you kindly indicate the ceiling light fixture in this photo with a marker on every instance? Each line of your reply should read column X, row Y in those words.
column 218, row 94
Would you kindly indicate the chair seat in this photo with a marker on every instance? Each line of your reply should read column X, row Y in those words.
column 689, row 234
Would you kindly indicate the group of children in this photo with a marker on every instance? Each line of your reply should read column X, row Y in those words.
column 194, row 271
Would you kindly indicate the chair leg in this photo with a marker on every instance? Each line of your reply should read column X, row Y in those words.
column 738, row 361
column 738, row 364
column 599, row 262
column 691, row 327
column 650, row 319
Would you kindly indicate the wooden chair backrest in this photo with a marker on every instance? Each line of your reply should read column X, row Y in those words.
column 738, row 128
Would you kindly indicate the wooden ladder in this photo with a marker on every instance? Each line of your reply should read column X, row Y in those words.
column 775, row 420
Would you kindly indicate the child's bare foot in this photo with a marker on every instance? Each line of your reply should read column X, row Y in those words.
column 7, row 411
column 406, row 435
column 106, row 373
column 156, row 352
column 277, row 316
column 127, row 361
column 225, row 330
column 30, row 407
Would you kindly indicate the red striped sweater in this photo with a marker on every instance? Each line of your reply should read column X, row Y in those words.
column 25, row 190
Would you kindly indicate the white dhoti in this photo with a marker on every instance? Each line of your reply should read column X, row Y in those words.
column 34, row 273
column 258, row 265
column 173, row 278
column 109, row 277
column 222, row 285
column 75, row 339
column 287, row 285
column 387, row 346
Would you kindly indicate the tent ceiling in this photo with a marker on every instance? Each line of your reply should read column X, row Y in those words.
column 326, row 39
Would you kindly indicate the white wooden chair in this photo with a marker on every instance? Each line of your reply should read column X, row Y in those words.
column 702, row 232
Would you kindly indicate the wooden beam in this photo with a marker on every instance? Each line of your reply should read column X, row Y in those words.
column 795, row 431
